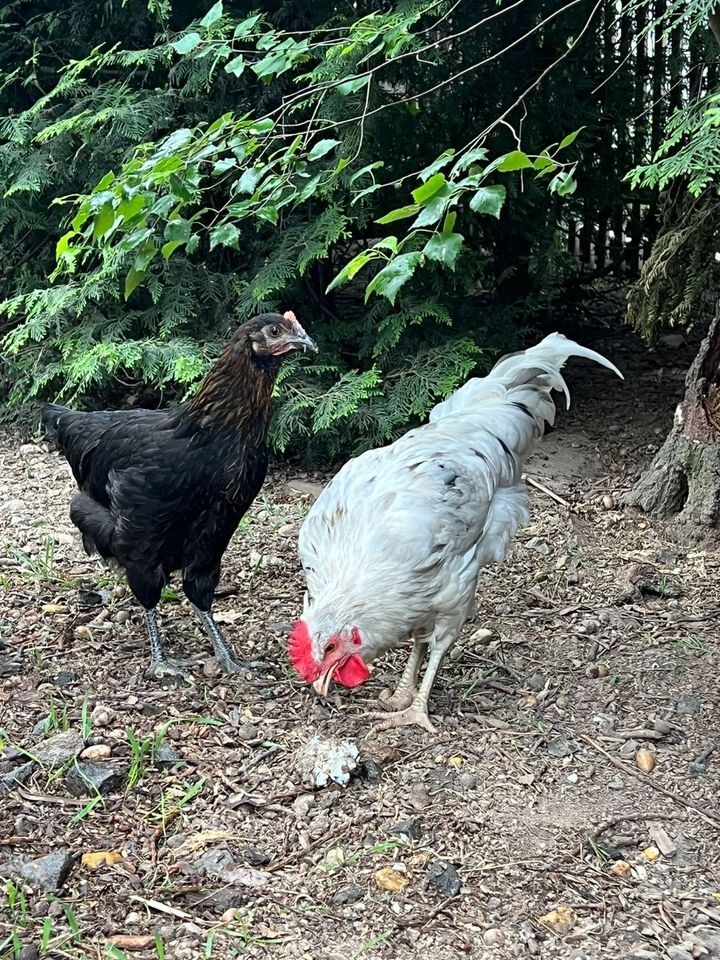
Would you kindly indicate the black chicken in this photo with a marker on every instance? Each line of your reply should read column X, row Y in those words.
column 164, row 490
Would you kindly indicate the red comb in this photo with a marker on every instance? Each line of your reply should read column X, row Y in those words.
column 300, row 650
column 289, row 315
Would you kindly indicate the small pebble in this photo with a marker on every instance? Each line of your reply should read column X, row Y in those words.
column 608, row 502
column 100, row 751
column 493, row 937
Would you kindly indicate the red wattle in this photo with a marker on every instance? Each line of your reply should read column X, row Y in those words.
column 353, row 672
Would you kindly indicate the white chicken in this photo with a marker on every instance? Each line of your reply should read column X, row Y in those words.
column 393, row 546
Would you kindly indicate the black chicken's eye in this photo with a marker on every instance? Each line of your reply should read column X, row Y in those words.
column 274, row 330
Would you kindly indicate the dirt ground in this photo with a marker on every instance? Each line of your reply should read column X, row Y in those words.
column 536, row 798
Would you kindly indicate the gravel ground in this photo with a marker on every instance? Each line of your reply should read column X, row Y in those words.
column 567, row 807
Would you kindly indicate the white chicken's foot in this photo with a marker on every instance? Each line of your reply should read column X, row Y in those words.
column 415, row 715
column 406, row 690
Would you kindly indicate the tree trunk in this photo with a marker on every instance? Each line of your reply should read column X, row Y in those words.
column 684, row 477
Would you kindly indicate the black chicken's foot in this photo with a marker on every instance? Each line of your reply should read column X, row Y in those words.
column 161, row 666
column 168, row 668
column 227, row 661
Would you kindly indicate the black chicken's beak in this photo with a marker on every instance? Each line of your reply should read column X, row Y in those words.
column 302, row 341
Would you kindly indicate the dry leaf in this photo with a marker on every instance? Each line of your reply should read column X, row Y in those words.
column 621, row 868
column 391, row 880
column 561, row 920
column 53, row 608
column 98, row 858
column 651, row 853
column 127, row 942
column 645, row 761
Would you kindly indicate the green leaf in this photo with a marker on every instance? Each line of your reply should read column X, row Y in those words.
column 467, row 159
column 352, row 86
column 130, row 208
column 321, row 148
column 570, row 138
column 246, row 27
column 391, row 278
column 516, row 160
column 387, row 243
column 433, row 211
column 488, row 200
column 399, row 214
column 183, row 44
column 225, row 234
column 429, row 188
column 367, row 169
column 236, row 66
column 81, row 216
column 543, row 161
column 222, row 166
column 563, row 183
column 132, row 280
column 213, row 15
column 351, row 268
column 444, row 248
column 104, row 219
column 449, row 222
column 63, row 244
column 168, row 248
column 249, row 180
column 442, row 161
column 178, row 230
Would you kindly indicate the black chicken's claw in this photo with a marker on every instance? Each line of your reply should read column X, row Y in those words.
column 231, row 665
column 168, row 669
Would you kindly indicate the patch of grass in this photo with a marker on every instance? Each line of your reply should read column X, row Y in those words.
column 693, row 643
column 42, row 566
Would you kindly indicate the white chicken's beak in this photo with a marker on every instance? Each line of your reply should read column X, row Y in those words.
column 322, row 684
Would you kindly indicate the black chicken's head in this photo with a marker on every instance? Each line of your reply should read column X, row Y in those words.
column 273, row 335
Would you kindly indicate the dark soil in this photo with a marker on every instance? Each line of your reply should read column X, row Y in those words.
column 604, row 646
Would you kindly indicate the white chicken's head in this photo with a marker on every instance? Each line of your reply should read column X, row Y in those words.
column 319, row 662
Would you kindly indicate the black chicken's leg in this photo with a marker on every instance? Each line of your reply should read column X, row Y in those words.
column 160, row 664
column 224, row 654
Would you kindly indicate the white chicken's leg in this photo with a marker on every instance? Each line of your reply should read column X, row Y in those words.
column 406, row 690
column 416, row 714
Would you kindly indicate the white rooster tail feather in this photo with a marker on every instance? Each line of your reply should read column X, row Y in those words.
column 529, row 375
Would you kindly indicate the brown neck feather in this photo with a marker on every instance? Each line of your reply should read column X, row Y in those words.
column 238, row 390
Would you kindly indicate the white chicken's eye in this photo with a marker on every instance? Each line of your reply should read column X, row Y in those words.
column 330, row 648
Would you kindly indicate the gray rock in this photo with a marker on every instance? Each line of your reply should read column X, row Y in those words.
column 64, row 678
column 89, row 779
column 214, row 861
column 218, row 901
column 46, row 873
column 165, row 756
column 677, row 953
column 256, row 857
column 559, row 747
column 371, row 771
column 57, row 750
column 443, row 879
column 412, row 829
column 628, row 750
column 536, row 681
column 709, row 937
column 350, row 893
column 15, row 777
column 687, row 704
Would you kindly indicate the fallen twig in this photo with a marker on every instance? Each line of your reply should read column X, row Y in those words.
column 547, row 491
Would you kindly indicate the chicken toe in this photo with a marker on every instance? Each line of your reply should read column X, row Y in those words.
column 415, row 715
column 400, row 700
column 167, row 669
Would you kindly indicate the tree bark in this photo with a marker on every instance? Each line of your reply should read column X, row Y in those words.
column 683, row 481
